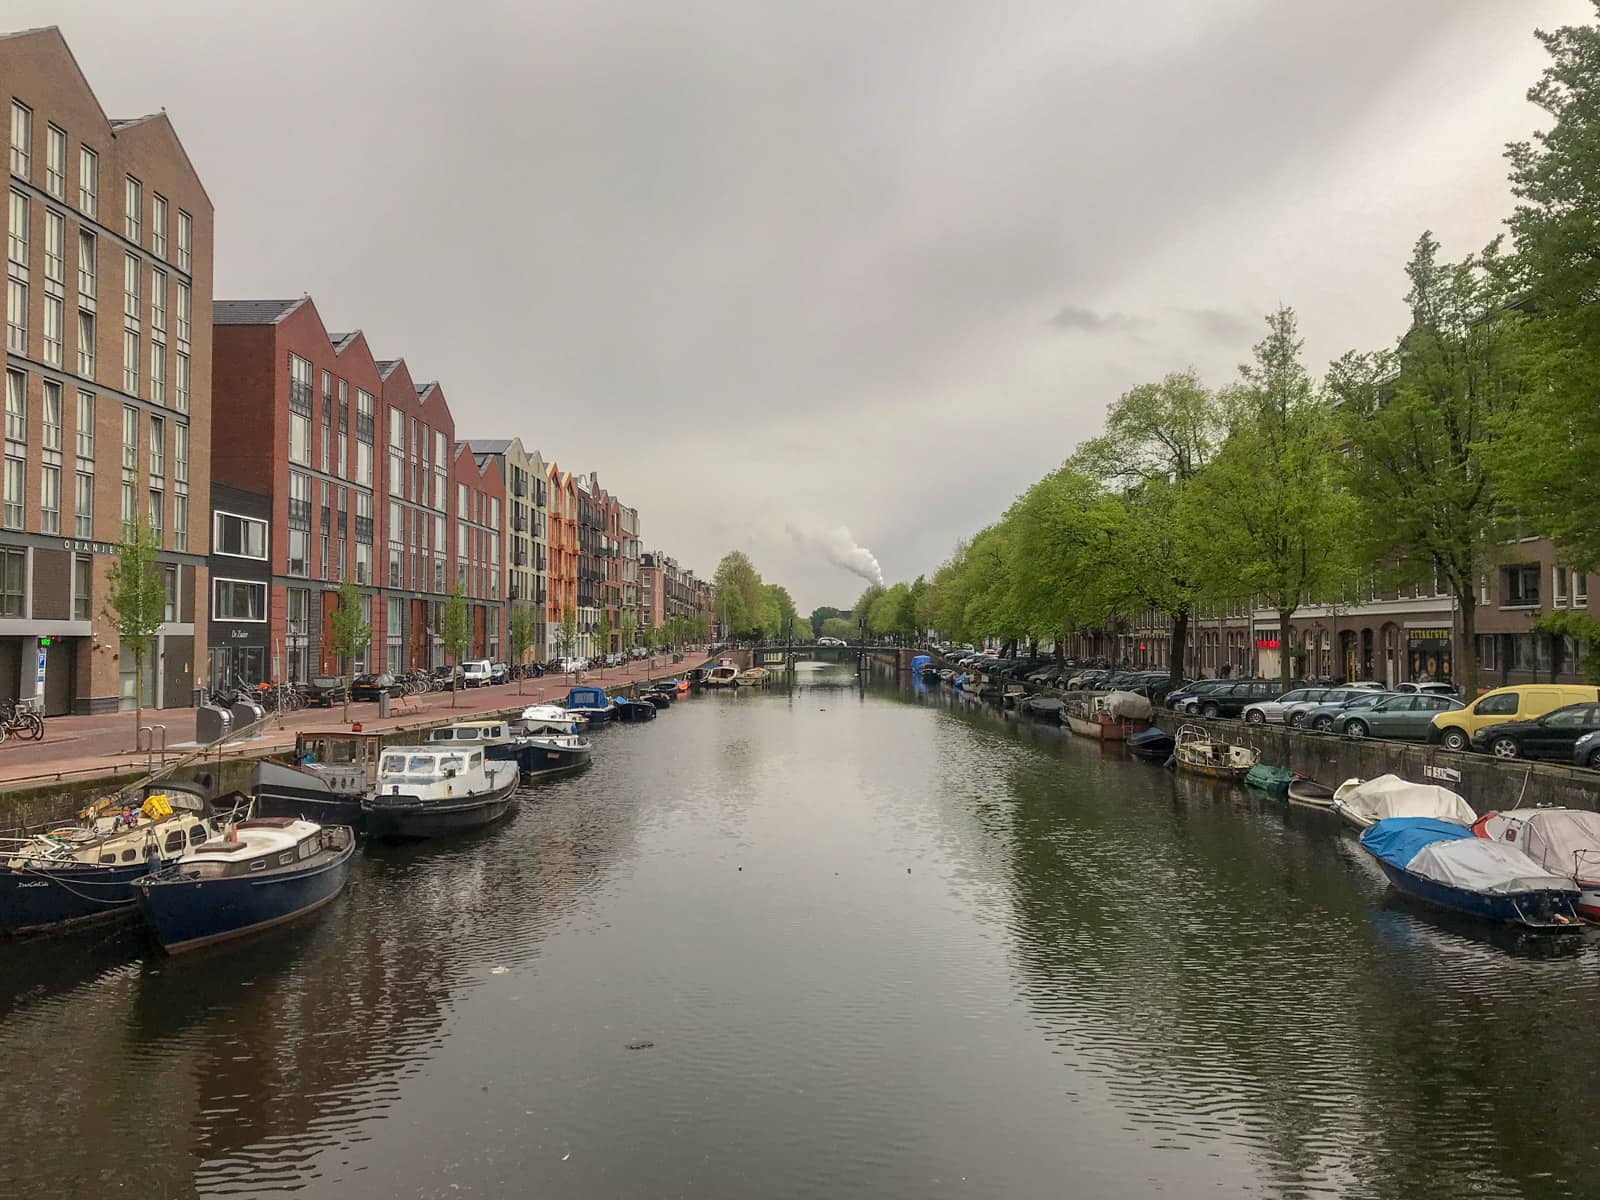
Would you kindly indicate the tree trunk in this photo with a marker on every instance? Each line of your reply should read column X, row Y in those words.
column 138, row 697
column 1180, row 646
column 454, row 682
column 347, row 678
column 1285, row 666
column 1466, row 667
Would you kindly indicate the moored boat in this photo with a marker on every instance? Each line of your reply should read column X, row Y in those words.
column 1364, row 802
column 723, row 675
column 325, row 781
column 261, row 873
column 1154, row 743
column 1111, row 717
column 590, row 702
column 69, row 874
column 1198, row 753
column 551, row 718
column 1310, row 793
column 1565, row 841
column 432, row 791
column 1441, row 863
column 627, row 709
column 1045, row 708
column 1274, row 781
column 754, row 677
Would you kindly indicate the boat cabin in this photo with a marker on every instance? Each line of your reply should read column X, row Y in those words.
column 346, row 762
column 585, row 698
column 255, row 847
column 411, row 767
column 477, row 732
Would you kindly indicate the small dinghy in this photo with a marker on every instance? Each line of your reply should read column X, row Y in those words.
column 1310, row 793
column 754, row 677
column 625, row 709
column 432, row 791
column 1274, row 781
column 1565, row 841
column 1154, row 743
column 1045, row 708
column 260, row 873
column 1364, row 802
column 723, row 675
column 551, row 718
column 1198, row 753
column 76, row 874
column 1441, row 863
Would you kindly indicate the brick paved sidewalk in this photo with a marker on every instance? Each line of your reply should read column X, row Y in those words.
column 83, row 747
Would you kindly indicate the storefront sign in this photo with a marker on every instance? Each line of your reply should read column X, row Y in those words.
column 77, row 546
column 1266, row 643
column 1417, row 634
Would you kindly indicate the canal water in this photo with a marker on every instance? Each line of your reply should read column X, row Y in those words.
column 820, row 943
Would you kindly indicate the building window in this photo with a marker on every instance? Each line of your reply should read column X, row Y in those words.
column 158, row 447
column 239, row 536
column 158, row 300
column 16, row 316
column 16, row 406
column 55, row 162
column 157, row 508
column 130, row 510
column 238, row 600
column 52, row 415
column 86, row 344
column 88, row 182
column 21, row 138
column 1580, row 590
column 299, row 500
column 180, row 453
column 183, row 311
column 158, row 373
column 85, row 431
column 54, row 316
column 130, row 287
column 185, row 240
column 299, row 553
column 1558, row 590
column 169, row 592
column 133, row 210
column 15, row 476
column 13, row 573
column 82, row 587
column 83, row 506
column 180, row 382
column 130, row 438
column 180, row 522
column 1521, row 586
column 86, row 264
column 130, row 362
column 158, row 225
column 17, row 231
column 50, row 499
column 55, row 247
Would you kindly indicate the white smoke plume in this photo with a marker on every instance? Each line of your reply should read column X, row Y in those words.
column 842, row 550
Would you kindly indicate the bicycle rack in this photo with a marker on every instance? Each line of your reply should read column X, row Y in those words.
column 146, row 741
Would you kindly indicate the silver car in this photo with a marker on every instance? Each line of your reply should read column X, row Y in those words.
column 1294, row 714
column 1271, row 712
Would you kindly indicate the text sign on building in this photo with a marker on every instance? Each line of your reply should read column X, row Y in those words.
column 81, row 546
column 38, row 675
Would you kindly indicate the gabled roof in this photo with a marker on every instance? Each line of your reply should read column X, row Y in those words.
column 424, row 388
column 253, row 312
column 386, row 366
column 488, row 445
column 341, row 340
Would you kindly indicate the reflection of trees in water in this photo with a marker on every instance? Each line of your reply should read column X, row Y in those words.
column 268, row 1051
column 1217, row 961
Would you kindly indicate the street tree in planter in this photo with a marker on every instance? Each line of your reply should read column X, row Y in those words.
column 455, row 636
column 567, row 634
column 136, row 605
column 351, row 635
column 630, row 627
column 520, row 631
column 602, row 635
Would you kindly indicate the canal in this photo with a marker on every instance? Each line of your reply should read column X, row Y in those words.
column 830, row 942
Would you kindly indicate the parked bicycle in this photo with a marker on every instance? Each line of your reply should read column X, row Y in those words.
column 20, row 721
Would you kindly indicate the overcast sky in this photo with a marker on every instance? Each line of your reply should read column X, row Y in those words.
column 777, row 268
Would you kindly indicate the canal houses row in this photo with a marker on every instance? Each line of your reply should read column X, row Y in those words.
column 292, row 459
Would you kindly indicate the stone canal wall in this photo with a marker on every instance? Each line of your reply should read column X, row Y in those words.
column 1487, row 783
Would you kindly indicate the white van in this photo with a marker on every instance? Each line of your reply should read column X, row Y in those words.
column 477, row 672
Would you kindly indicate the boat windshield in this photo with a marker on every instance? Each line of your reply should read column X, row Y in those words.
column 409, row 764
column 451, row 762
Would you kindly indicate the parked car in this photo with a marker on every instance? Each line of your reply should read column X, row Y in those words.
column 569, row 666
column 323, row 692
column 1429, row 689
column 500, row 672
column 477, row 672
column 1554, row 735
column 1230, row 699
column 1322, row 717
column 830, row 641
column 1271, row 712
column 1522, row 701
column 1176, row 700
column 1403, row 715
column 1586, row 751
column 370, row 687
column 1294, row 714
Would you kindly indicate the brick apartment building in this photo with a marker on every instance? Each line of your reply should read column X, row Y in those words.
column 480, row 570
column 525, row 520
column 591, row 569
column 108, row 409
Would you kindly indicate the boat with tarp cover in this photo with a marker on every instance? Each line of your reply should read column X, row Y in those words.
column 1364, row 802
column 1442, row 863
column 1565, row 841
column 1110, row 718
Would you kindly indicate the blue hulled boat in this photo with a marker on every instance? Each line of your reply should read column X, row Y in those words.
column 592, row 702
column 1153, row 743
column 1441, row 863
column 261, row 873
column 624, row 709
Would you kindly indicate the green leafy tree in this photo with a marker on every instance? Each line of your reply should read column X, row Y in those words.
column 738, row 593
column 1547, row 458
column 1158, row 437
column 839, row 627
column 648, row 633
column 520, row 630
column 821, row 614
column 602, row 633
column 567, row 632
column 455, row 635
column 630, row 629
column 1420, row 427
column 350, row 635
column 1264, row 518
column 136, row 604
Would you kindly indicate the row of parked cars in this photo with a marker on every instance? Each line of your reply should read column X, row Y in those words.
column 1551, row 721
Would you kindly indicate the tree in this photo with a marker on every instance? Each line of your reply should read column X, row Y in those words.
column 648, row 632
column 1263, row 518
column 136, row 604
column 602, row 633
column 738, row 592
column 567, row 632
column 350, row 635
column 842, row 628
column 521, row 632
column 455, row 635
column 1546, row 459
column 1420, row 425
column 630, row 628
column 1158, row 437
column 819, row 615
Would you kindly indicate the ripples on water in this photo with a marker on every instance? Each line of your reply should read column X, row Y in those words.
column 879, row 945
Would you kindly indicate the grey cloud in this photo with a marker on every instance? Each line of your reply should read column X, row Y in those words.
column 764, row 262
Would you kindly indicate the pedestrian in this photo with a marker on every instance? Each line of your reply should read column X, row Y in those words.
column 538, row 670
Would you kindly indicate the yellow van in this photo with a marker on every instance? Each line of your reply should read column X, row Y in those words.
column 1454, row 729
